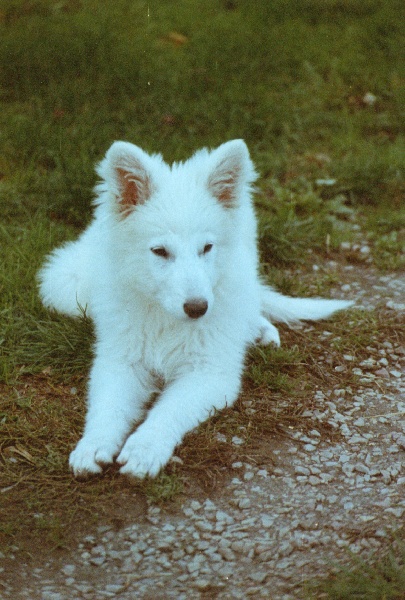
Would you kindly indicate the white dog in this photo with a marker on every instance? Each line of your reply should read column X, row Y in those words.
column 168, row 271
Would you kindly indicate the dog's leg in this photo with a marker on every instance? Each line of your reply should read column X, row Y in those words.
column 267, row 333
column 182, row 406
column 115, row 403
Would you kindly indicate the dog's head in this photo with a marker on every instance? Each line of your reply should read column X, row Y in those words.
column 174, row 229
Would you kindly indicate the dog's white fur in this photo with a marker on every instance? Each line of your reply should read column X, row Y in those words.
column 168, row 271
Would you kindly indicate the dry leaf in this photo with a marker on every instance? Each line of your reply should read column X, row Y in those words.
column 177, row 39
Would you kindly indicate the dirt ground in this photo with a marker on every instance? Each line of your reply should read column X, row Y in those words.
column 271, row 525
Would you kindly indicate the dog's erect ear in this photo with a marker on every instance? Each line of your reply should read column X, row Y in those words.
column 125, row 170
column 231, row 170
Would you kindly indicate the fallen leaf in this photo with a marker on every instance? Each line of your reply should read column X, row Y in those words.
column 177, row 39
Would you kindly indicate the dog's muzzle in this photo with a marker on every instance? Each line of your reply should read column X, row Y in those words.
column 195, row 308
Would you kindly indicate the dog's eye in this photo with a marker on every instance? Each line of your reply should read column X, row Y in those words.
column 160, row 251
column 207, row 248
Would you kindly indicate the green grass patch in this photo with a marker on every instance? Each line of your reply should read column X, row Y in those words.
column 295, row 219
column 288, row 78
column 274, row 369
column 58, row 344
column 380, row 578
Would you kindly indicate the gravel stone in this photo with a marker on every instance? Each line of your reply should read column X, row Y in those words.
column 244, row 503
column 97, row 561
column 258, row 576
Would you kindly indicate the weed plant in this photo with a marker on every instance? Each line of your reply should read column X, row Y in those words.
column 317, row 91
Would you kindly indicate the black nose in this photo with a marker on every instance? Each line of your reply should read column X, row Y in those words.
column 195, row 308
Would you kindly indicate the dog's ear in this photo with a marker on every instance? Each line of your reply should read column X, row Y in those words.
column 127, row 174
column 231, row 170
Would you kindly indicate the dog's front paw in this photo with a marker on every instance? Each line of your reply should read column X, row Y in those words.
column 145, row 453
column 91, row 455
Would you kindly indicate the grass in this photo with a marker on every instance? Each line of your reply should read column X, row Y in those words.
column 294, row 80
column 42, row 413
column 383, row 579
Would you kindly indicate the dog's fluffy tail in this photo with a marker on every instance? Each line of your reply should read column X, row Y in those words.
column 277, row 307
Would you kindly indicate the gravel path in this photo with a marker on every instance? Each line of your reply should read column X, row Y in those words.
column 271, row 528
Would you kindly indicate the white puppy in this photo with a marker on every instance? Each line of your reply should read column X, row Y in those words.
column 168, row 271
